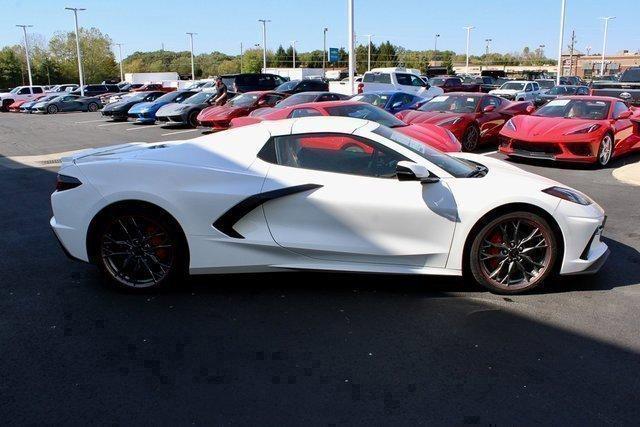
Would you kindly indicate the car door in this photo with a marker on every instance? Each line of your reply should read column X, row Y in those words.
column 490, row 122
column 343, row 203
column 69, row 103
column 624, row 138
column 405, row 83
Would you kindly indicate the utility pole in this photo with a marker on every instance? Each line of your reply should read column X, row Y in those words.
column 571, row 50
column 588, row 49
column 560, row 41
column 368, row 51
column 293, row 49
column 241, row 54
column 264, row 43
column 488, row 41
column 193, row 68
column 604, row 42
column 469, row 28
column 121, row 70
column 26, row 50
column 352, row 58
column 324, row 52
column 75, row 14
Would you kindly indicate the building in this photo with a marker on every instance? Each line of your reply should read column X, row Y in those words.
column 587, row 66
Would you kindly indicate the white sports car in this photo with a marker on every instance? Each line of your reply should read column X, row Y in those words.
column 319, row 193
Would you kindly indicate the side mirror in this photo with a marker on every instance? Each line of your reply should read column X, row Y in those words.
column 530, row 109
column 262, row 103
column 488, row 108
column 410, row 171
column 624, row 115
column 396, row 104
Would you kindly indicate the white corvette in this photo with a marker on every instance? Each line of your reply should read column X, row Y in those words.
column 319, row 193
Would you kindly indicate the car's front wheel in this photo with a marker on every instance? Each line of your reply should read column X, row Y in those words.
column 605, row 150
column 52, row 109
column 471, row 138
column 513, row 253
column 140, row 249
column 92, row 107
column 193, row 119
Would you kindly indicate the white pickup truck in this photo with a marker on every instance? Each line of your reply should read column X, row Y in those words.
column 20, row 93
column 397, row 79
column 518, row 90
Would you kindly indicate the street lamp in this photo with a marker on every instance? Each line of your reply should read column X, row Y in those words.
column 264, row 43
column 293, row 47
column 75, row 14
column 541, row 47
column 369, row 51
column 488, row 41
column 193, row 69
column 435, row 43
column 604, row 43
column 560, row 41
column 26, row 50
column 324, row 51
column 469, row 28
column 352, row 58
column 120, row 54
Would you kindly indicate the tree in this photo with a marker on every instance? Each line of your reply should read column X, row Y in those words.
column 10, row 68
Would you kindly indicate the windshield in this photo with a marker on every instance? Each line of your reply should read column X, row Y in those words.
column 436, row 81
column 632, row 75
column 558, row 90
column 243, row 100
column 512, row 86
column 452, row 104
column 135, row 97
column 287, row 86
column 15, row 90
column 373, row 99
column 366, row 112
column 546, row 84
column 199, row 98
column 299, row 98
column 455, row 167
column 575, row 109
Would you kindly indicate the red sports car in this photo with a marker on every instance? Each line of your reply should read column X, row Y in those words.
column 15, row 107
column 431, row 135
column 474, row 118
column 218, row 117
column 154, row 87
column 587, row 129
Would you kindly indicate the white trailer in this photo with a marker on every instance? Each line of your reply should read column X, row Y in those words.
column 150, row 77
column 295, row 73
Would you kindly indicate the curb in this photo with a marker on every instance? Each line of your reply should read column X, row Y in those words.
column 629, row 174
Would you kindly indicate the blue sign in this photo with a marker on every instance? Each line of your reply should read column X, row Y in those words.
column 334, row 54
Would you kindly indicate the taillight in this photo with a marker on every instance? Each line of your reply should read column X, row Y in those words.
column 65, row 182
column 360, row 87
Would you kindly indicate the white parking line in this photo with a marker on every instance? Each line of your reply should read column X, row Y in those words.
column 141, row 127
column 180, row 131
column 90, row 121
column 112, row 124
column 490, row 153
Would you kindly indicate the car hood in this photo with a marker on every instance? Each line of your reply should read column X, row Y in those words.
column 504, row 92
column 172, row 108
column 548, row 128
column 434, row 136
column 259, row 112
column 220, row 112
column 434, row 117
column 140, row 106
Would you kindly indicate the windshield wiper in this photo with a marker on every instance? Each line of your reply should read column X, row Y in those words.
column 479, row 171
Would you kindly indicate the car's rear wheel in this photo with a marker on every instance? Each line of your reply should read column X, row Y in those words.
column 5, row 104
column 193, row 119
column 513, row 253
column 52, row 109
column 92, row 107
column 471, row 138
column 605, row 150
column 140, row 249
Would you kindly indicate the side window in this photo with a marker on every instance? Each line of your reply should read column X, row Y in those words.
column 37, row 90
column 328, row 97
column 272, row 99
column 404, row 79
column 416, row 81
column 618, row 109
column 304, row 112
column 536, row 86
column 266, row 81
column 24, row 91
column 583, row 91
column 337, row 153
column 490, row 100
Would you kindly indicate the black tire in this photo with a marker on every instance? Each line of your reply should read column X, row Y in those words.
column 5, row 104
column 92, row 107
column 605, row 150
column 513, row 253
column 471, row 138
column 140, row 249
column 52, row 109
column 192, row 119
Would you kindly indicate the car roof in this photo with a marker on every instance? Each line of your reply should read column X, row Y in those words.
column 468, row 94
column 383, row 92
column 591, row 98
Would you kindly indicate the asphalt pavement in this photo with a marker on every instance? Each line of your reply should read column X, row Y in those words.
column 302, row 348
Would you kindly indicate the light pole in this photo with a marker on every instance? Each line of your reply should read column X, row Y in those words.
column 293, row 47
column 264, row 43
column 368, row 51
column 541, row 47
column 241, row 54
column 560, row 41
column 588, row 49
column 120, row 53
column 324, row 51
column 435, row 43
column 488, row 41
column 26, row 50
column 193, row 68
column 604, row 42
column 75, row 14
column 469, row 28
column 351, row 42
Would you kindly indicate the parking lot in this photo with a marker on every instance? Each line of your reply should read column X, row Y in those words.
column 316, row 348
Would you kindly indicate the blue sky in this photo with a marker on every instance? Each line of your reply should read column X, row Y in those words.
column 512, row 24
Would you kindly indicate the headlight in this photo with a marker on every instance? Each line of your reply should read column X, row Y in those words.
column 569, row 195
column 594, row 127
column 450, row 122
column 511, row 125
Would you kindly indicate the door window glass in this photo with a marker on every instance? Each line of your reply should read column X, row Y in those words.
column 304, row 112
column 618, row 109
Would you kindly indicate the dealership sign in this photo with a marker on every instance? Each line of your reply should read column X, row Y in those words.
column 334, row 54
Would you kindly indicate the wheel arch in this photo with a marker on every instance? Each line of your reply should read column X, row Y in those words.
column 103, row 214
column 507, row 208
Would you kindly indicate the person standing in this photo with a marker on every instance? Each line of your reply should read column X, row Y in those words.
column 221, row 92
